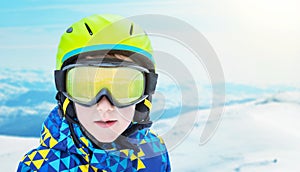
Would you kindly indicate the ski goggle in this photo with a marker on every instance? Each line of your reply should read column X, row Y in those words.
column 124, row 84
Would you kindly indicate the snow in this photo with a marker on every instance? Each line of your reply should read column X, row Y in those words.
column 26, row 75
column 7, row 111
column 7, row 90
column 250, row 138
column 257, row 135
column 13, row 149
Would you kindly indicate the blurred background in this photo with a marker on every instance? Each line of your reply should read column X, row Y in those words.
column 257, row 43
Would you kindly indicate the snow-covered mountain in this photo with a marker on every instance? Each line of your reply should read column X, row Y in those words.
column 260, row 135
column 258, row 130
column 27, row 96
column 254, row 136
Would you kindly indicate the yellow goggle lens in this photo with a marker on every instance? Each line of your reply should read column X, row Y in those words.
column 124, row 84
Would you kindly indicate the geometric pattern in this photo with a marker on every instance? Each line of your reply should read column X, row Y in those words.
column 58, row 152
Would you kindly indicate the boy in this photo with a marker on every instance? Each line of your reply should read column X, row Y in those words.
column 105, row 79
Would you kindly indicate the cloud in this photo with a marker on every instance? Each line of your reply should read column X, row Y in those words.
column 256, row 43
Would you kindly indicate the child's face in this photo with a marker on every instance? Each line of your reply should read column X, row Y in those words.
column 105, row 121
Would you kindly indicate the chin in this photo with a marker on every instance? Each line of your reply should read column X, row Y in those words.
column 108, row 139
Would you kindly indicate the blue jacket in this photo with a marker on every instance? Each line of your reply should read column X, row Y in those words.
column 58, row 152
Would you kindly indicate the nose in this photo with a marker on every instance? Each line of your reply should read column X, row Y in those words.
column 104, row 105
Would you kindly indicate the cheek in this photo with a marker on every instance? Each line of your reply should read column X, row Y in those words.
column 83, row 113
column 127, row 113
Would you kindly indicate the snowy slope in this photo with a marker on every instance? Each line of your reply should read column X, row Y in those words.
column 13, row 149
column 258, row 131
column 251, row 137
column 256, row 136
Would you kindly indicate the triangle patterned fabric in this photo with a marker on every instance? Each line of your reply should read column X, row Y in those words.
column 58, row 152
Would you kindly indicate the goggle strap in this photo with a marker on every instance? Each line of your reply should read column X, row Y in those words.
column 148, row 104
column 65, row 105
column 59, row 76
column 151, row 79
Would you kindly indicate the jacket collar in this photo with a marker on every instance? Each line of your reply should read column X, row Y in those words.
column 56, row 134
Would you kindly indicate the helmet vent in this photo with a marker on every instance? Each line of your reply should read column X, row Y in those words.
column 131, row 29
column 69, row 30
column 89, row 29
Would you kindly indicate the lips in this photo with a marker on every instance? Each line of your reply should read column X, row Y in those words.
column 106, row 124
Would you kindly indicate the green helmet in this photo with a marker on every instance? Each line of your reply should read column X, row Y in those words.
column 105, row 33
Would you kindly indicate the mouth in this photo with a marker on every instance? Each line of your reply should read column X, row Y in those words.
column 106, row 124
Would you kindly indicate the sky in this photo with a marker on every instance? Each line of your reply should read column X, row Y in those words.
column 257, row 42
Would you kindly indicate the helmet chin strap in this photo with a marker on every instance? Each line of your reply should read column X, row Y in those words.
column 141, row 120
